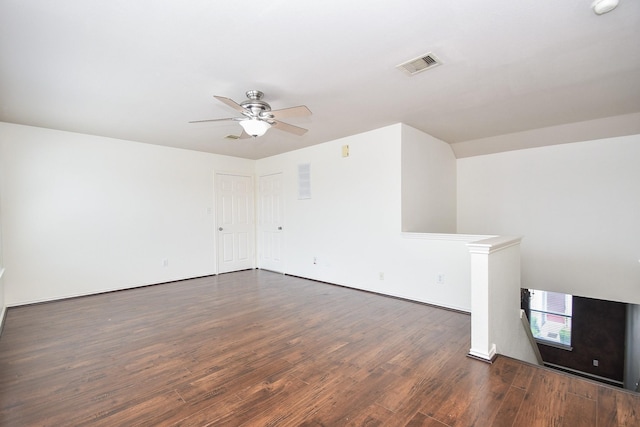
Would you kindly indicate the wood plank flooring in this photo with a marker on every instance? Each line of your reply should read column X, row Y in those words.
column 255, row 348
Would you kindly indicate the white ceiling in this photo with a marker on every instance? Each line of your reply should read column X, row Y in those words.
column 140, row 70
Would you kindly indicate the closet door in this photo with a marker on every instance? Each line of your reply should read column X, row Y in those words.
column 270, row 223
column 235, row 222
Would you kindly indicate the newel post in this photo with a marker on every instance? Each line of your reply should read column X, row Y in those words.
column 495, row 293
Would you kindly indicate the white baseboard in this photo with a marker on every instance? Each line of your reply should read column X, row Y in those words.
column 3, row 308
column 488, row 357
column 3, row 314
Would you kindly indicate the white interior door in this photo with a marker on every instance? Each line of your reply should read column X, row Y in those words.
column 270, row 223
column 235, row 222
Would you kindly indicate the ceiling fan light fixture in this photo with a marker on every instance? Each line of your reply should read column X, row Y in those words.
column 255, row 127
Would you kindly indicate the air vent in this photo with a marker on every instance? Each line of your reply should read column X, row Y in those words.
column 421, row 63
column 232, row 137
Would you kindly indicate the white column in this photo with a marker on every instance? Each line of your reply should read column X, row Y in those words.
column 495, row 294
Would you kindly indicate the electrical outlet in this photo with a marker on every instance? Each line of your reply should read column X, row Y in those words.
column 596, row 362
column 165, row 262
column 440, row 278
column 381, row 275
column 315, row 260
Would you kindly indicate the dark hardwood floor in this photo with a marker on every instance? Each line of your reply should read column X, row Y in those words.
column 255, row 348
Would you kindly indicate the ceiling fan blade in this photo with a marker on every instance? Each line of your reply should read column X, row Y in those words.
column 231, row 103
column 235, row 119
column 299, row 111
column 289, row 128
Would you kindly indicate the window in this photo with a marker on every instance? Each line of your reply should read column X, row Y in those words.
column 551, row 317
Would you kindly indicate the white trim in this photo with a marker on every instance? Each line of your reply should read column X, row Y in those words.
column 482, row 355
column 419, row 300
column 2, row 316
column 102, row 291
column 389, row 294
column 3, row 309
column 493, row 244
column 451, row 237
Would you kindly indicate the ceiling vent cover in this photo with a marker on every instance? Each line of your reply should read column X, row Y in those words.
column 421, row 63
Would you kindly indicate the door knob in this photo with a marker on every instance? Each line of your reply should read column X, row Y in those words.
column 279, row 228
column 220, row 229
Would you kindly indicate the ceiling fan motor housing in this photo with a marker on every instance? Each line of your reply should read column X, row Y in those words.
column 256, row 106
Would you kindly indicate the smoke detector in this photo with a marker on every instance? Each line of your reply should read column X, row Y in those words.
column 421, row 63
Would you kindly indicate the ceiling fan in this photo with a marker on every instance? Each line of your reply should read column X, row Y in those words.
column 258, row 117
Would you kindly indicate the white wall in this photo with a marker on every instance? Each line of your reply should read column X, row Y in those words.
column 84, row 214
column 577, row 206
column 428, row 183
column 355, row 202
column 352, row 223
